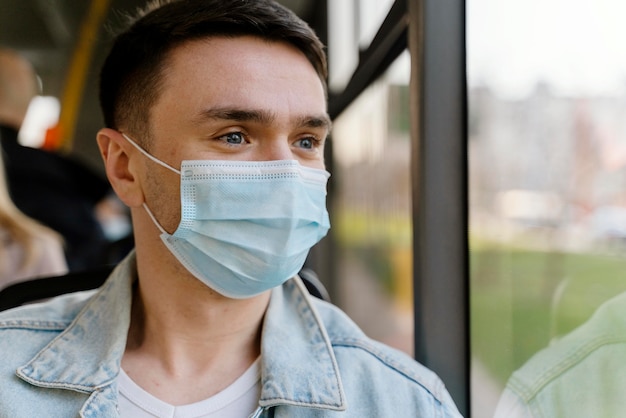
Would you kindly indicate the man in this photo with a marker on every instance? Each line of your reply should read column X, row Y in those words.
column 56, row 190
column 216, row 121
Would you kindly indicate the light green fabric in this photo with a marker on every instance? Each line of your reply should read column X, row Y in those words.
column 581, row 375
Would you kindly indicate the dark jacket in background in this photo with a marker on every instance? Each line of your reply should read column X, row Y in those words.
column 59, row 192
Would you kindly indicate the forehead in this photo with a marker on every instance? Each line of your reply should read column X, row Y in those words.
column 244, row 72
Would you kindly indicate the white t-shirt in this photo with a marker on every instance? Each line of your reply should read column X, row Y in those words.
column 240, row 399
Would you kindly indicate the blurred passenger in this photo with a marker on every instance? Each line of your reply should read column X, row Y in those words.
column 27, row 249
column 58, row 191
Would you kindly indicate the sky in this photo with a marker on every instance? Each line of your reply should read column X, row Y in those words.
column 578, row 47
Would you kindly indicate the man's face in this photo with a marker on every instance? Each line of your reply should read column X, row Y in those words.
column 233, row 99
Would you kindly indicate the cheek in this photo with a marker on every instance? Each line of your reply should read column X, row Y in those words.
column 163, row 198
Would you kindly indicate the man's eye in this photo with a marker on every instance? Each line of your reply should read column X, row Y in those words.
column 307, row 143
column 233, row 138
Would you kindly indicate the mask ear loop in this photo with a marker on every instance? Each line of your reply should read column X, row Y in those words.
column 154, row 221
column 156, row 160
column 153, row 158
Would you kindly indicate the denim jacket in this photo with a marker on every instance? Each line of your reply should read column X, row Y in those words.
column 61, row 359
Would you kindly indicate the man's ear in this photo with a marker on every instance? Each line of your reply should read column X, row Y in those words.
column 121, row 171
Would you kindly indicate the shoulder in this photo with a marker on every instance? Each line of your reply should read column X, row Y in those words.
column 343, row 333
column 24, row 331
column 52, row 316
column 375, row 367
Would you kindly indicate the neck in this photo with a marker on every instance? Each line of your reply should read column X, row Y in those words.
column 183, row 331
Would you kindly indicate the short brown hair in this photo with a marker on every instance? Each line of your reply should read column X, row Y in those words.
column 131, row 77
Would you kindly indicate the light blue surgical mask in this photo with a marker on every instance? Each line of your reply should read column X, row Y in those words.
column 246, row 226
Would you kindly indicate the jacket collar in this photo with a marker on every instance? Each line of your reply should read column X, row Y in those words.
column 99, row 329
column 298, row 363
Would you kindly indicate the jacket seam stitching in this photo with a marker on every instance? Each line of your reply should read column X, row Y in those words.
column 354, row 343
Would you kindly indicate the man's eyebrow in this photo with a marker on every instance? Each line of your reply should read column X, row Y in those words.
column 262, row 116
column 317, row 121
column 239, row 115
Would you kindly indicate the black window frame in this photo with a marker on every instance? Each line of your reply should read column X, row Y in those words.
column 434, row 33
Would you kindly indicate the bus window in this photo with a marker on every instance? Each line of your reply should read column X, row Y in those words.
column 547, row 149
column 372, row 209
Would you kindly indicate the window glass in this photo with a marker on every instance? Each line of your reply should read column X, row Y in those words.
column 352, row 26
column 372, row 209
column 547, row 183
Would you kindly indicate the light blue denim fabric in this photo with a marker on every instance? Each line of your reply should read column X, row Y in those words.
column 581, row 375
column 61, row 359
